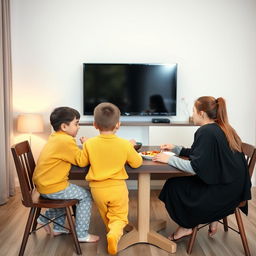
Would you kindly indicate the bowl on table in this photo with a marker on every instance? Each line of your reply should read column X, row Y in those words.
column 138, row 145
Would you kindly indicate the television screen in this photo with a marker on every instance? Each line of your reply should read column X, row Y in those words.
column 137, row 89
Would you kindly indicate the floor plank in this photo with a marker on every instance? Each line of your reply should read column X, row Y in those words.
column 13, row 217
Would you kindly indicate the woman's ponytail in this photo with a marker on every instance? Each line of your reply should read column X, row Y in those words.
column 222, row 120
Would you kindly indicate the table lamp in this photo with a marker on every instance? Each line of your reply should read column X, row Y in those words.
column 30, row 123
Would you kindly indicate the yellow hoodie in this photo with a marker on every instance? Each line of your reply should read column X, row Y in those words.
column 107, row 156
column 54, row 163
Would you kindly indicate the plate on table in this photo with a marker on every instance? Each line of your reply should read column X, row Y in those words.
column 151, row 153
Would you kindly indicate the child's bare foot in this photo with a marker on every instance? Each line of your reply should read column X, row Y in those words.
column 89, row 239
column 47, row 227
column 213, row 227
column 60, row 232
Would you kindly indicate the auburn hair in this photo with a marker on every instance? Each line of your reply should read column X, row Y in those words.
column 216, row 110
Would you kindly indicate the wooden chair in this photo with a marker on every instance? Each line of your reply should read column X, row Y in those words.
column 25, row 166
column 250, row 155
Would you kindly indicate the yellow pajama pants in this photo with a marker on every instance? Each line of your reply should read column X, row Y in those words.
column 113, row 204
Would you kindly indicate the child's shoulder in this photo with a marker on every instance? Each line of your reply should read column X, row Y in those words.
column 124, row 143
column 114, row 140
column 61, row 137
column 92, row 139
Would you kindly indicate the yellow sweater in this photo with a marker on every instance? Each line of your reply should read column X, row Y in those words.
column 107, row 155
column 54, row 163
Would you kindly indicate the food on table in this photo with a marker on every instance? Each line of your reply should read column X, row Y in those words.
column 150, row 153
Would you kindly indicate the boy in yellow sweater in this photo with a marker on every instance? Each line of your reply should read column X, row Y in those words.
column 52, row 170
column 107, row 155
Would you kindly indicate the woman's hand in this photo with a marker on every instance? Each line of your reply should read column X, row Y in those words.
column 167, row 147
column 83, row 139
column 161, row 157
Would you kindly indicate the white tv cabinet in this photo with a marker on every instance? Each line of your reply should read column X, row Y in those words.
column 179, row 133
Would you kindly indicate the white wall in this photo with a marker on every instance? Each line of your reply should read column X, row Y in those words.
column 213, row 42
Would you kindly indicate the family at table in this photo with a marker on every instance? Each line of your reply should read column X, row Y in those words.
column 218, row 179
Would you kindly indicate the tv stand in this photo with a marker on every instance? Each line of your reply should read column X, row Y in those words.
column 141, row 123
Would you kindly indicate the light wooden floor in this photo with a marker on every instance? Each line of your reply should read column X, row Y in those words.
column 13, row 217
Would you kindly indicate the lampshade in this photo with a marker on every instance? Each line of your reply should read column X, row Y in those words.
column 30, row 123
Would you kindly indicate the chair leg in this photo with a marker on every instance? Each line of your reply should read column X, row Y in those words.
column 192, row 240
column 37, row 213
column 73, row 231
column 225, row 224
column 74, row 209
column 242, row 231
column 27, row 231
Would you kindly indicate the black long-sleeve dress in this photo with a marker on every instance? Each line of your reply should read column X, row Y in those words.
column 221, row 182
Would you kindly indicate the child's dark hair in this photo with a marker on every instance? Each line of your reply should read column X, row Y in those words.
column 106, row 116
column 63, row 115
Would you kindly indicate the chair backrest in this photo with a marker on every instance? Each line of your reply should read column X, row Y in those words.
column 250, row 156
column 25, row 166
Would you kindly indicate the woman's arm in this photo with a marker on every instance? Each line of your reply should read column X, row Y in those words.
column 176, row 150
column 185, row 152
column 181, row 164
column 177, row 162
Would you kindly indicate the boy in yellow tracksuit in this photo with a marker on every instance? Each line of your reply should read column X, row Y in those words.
column 107, row 155
column 52, row 170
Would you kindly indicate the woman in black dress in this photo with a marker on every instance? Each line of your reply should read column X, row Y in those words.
column 220, row 179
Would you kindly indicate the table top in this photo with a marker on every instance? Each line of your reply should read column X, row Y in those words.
column 157, row 170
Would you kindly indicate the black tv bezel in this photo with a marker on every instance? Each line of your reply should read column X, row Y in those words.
column 138, row 114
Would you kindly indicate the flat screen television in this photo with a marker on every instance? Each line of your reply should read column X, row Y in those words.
column 137, row 89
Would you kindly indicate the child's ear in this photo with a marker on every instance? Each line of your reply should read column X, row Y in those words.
column 118, row 125
column 63, row 127
column 95, row 125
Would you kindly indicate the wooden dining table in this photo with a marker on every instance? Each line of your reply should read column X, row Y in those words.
column 145, row 231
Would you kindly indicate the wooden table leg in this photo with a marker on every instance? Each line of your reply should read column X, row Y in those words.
column 146, row 232
column 143, row 206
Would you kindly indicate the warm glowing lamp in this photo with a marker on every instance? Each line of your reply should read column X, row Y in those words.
column 30, row 123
